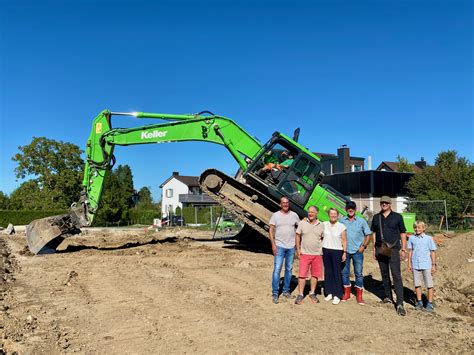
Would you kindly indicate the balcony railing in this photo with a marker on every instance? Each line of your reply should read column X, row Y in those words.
column 202, row 199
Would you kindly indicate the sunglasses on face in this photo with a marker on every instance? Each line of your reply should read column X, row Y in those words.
column 384, row 203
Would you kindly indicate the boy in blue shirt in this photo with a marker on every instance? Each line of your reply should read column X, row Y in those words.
column 422, row 261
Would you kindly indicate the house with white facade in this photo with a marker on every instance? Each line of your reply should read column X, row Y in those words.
column 182, row 191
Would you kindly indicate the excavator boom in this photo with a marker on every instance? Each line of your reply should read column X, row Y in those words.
column 204, row 127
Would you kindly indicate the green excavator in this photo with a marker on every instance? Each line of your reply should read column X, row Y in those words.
column 281, row 167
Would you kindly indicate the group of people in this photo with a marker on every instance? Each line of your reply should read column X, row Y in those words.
column 333, row 245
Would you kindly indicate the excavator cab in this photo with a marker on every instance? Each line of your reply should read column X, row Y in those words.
column 284, row 168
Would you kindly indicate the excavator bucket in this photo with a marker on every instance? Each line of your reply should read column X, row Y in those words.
column 42, row 232
column 45, row 234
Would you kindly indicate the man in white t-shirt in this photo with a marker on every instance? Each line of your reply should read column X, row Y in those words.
column 283, row 225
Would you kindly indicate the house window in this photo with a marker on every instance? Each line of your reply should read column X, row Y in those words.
column 169, row 192
column 357, row 167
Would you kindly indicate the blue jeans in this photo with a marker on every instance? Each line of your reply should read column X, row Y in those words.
column 287, row 255
column 358, row 260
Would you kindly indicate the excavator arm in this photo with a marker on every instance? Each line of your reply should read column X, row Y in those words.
column 178, row 128
column 100, row 159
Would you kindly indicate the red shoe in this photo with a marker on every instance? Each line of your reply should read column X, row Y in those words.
column 359, row 296
column 347, row 293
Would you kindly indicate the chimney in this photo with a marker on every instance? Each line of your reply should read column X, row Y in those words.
column 175, row 173
column 421, row 163
column 369, row 162
column 343, row 159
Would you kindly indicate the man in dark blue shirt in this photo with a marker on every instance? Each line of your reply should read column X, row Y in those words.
column 388, row 225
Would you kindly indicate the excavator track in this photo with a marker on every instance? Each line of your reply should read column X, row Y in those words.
column 248, row 204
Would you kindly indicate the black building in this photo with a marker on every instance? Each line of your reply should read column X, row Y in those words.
column 366, row 187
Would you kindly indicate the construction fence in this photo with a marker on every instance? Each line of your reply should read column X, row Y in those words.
column 202, row 215
column 191, row 216
column 434, row 212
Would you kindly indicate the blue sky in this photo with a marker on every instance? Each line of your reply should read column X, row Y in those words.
column 383, row 77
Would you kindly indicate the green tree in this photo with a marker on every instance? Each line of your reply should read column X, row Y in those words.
column 4, row 201
column 28, row 196
column 403, row 165
column 144, row 210
column 56, row 168
column 117, row 196
column 451, row 179
column 145, row 200
column 125, row 179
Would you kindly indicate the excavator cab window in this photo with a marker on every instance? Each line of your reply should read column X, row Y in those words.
column 301, row 180
column 272, row 165
column 286, row 170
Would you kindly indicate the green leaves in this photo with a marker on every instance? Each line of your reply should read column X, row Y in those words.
column 403, row 165
column 145, row 201
column 56, row 170
column 4, row 201
column 117, row 196
column 450, row 179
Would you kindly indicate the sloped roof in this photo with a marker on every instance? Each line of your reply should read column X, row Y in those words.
column 320, row 155
column 188, row 180
column 334, row 156
column 393, row 166
column 191, row 181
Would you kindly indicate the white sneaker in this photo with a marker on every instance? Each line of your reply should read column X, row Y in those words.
column 336, row 300
column 328, row 297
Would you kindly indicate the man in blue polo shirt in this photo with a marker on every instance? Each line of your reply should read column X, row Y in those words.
column 358, row 234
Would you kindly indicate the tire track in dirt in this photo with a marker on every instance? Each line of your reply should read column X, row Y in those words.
column 182, row 296
column 115, row 319
column 182, row 301
column 254, row 309
column 133, row 309
column 306, row 318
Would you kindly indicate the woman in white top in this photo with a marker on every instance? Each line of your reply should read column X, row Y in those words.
column 334, row 254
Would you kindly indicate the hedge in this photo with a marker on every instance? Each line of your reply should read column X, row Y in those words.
column 24, row 217
column 146, row 217
column 203, row 214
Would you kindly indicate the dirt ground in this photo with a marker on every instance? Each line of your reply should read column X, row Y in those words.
column 138, row 291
